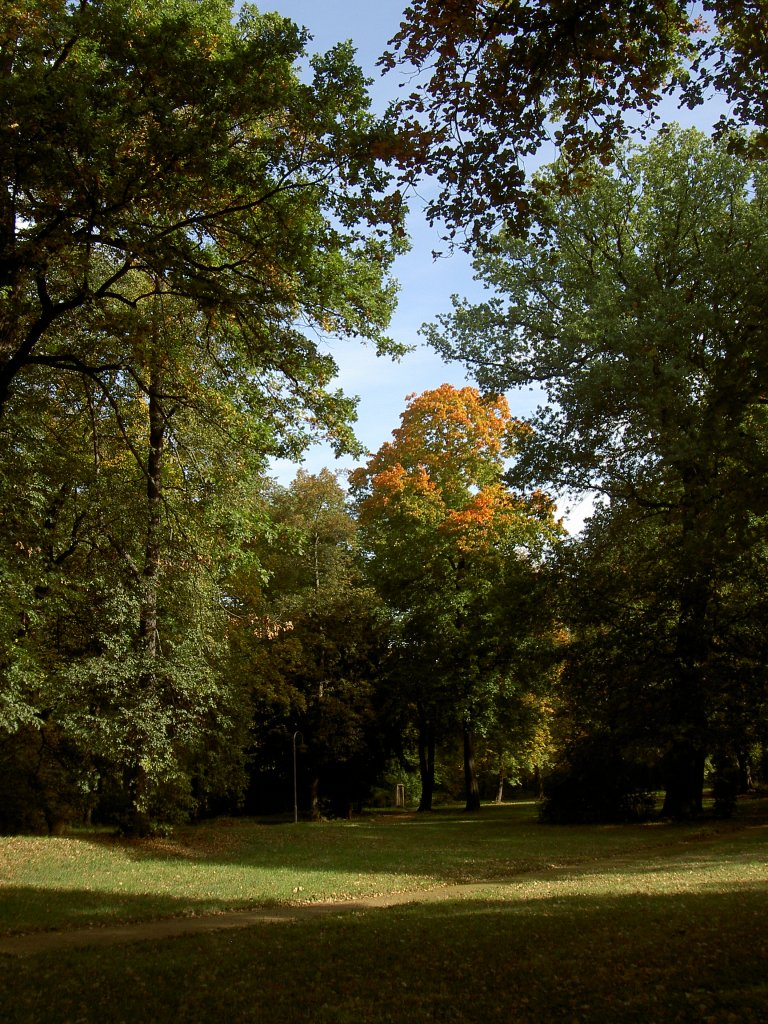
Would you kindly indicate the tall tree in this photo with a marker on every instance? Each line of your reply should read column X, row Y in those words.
column 638, row 305
column 183, row 219
column 445, row 536
column 127, row 495
column 499, row 80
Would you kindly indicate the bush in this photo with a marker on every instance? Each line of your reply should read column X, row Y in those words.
column 594, row 784
column 39, row 792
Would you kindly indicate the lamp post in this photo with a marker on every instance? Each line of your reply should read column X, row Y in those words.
column 295, row 790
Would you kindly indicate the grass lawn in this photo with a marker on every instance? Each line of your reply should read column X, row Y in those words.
column 649, row 923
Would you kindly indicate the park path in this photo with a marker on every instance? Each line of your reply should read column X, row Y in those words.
column 35, row 943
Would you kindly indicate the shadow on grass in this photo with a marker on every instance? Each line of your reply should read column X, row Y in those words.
column 76, row 908
column 688, row 958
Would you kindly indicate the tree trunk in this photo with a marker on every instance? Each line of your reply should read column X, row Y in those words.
column 426, row 764
column 314, row 801
column 538, row 782
column 684, row 770
column 746, row 783
column 500, row 788
column 470, row 775
column 152, row 547
column 139, row 780
column 684, row 763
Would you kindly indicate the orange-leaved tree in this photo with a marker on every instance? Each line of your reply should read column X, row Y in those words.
column 457, row 556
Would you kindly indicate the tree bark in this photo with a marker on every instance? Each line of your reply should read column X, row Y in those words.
column 140, row 822
column 746, row 783
column 470, row 774
column 501, row 778
column 426, row 764
column 152, row 547
column 684, row 789
column 314, row 798
column 684, row 763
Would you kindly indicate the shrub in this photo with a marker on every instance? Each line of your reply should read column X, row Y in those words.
column 596, row 783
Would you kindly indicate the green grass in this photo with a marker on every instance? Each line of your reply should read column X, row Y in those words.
column 648, row 923
column 92, row 878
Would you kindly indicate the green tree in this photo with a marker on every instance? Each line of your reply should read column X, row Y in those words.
column 499, row 80
column 617, row 595
column 619, row 590
column 310, row 633
column 170, row 139
column 638, row 305
column 125, row 500
column 446, row 537
column 182, row 220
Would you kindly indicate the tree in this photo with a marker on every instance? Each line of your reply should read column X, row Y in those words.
column 182, row 220
column 638, row 305
column 501, row 79
column 445, row 537
column 310, row 635
column 617, row 598
column 122, row 507
column 169, row 139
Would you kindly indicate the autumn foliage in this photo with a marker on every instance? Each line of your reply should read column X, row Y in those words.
column 443, row 474
column 493, row 82
column 452, row 551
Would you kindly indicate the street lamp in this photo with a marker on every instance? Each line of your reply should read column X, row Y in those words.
column 295, row 791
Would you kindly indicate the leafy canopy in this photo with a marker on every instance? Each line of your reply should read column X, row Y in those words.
column 638, row 306
column 171, row 140
column 498, row 80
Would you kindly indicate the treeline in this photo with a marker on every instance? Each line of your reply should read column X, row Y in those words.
column 270, row 643
column 184, row 217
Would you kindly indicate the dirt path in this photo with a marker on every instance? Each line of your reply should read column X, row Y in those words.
column 167, row 928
